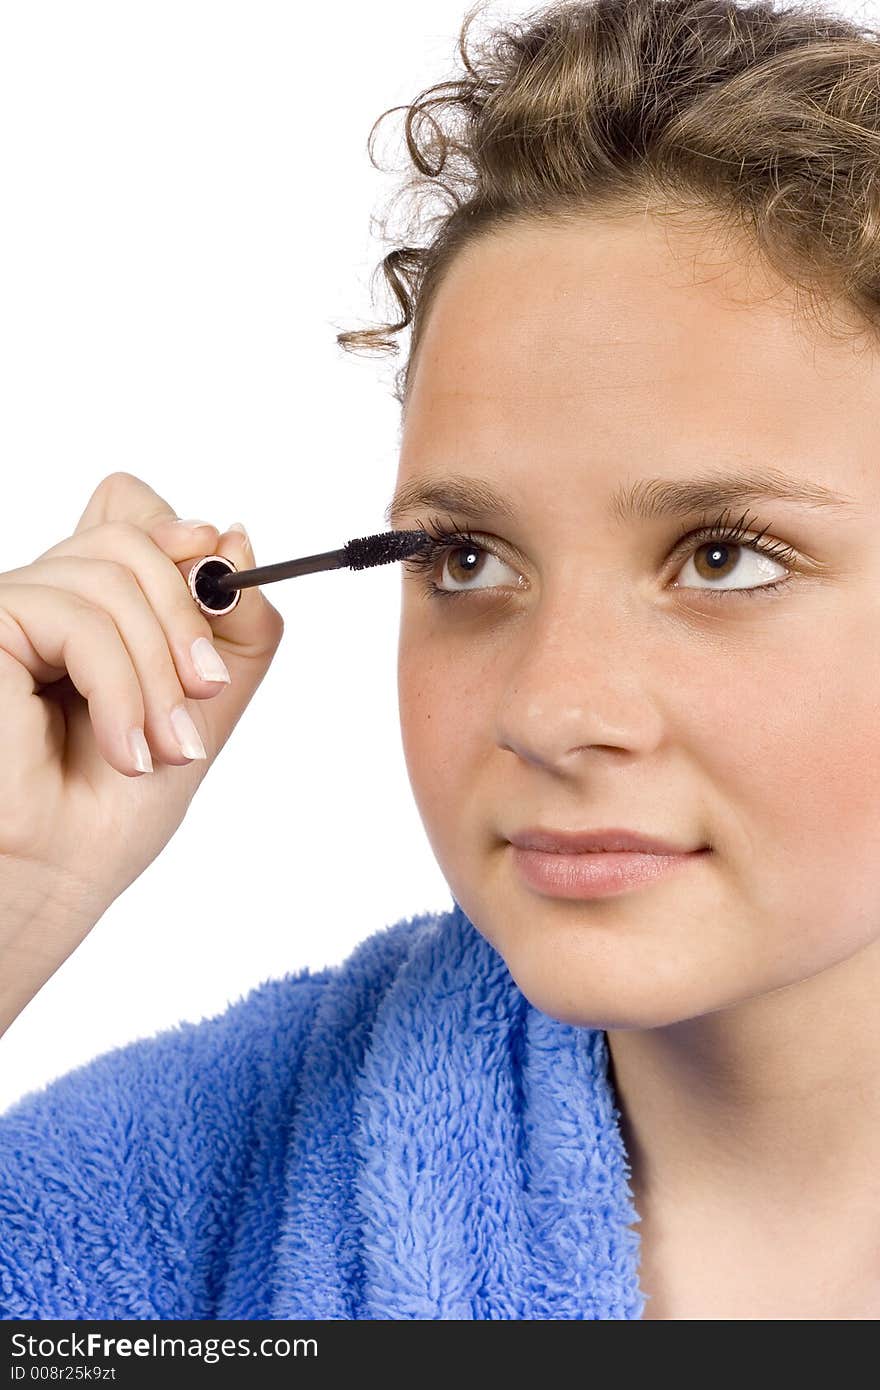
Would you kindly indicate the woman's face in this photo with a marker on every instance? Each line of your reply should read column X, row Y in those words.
column 591, row 673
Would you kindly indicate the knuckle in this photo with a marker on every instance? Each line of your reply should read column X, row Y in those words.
column 80, row 605
column 118, row 577
column 99, row 618
column 117, row 481
column 124, row 533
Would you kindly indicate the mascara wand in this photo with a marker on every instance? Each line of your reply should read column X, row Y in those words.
column 216, row 584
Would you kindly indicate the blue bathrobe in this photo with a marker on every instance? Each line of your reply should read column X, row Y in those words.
column 400, row 1136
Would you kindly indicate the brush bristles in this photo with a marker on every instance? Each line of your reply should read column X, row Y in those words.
column 367, row 551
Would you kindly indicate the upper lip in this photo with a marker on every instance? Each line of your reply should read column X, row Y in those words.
column 581, row 841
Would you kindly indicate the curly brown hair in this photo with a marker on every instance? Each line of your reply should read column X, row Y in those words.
column 761, row 120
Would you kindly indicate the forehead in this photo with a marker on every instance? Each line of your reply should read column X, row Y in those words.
column 630, row 342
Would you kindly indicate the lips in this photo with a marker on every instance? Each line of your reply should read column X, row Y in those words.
column 596, row 841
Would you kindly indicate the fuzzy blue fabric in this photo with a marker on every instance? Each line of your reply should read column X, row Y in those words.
column 400, row 1136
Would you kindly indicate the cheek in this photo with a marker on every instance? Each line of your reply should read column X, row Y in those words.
column 445, row 719
column 789, row 745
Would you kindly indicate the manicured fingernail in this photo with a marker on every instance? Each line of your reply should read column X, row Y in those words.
column 140, row 750
column 237, row 526
column 208, row 662
column 182, row 522
column 186, row 733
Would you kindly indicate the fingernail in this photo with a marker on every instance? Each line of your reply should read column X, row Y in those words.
column 181, row 522
column 237, row 526
column 186, row 733
column 208, row 662
column 140, row 750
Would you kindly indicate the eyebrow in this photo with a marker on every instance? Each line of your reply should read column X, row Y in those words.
column 647, row 499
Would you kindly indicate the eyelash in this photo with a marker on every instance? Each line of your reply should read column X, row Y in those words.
column 446, row 538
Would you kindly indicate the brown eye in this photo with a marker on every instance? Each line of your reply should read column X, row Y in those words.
column 729, row 565
column 464, row 561
column 465, row 564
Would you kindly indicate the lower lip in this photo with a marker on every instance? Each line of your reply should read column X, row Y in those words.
column 599, row 874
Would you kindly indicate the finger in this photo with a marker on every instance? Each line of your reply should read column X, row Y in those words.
column 248, row 637
column 129, row 548
column 104, row 583
column 123, row 496
column 254, row 626
column 47, row 632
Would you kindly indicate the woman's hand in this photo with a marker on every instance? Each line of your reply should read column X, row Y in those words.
column 96, row 648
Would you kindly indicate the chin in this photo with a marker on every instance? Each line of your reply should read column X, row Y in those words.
column 582, row 988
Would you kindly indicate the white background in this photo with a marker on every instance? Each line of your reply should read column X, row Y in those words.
column 186, row 202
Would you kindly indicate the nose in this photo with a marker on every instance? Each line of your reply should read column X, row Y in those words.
column 577, row 683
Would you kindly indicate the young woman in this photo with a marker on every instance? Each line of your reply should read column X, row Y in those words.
column 633, row 1073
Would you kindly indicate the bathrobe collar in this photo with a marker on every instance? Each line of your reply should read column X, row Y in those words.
column 455, row 1152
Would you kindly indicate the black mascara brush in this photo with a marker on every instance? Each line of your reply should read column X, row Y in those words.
column 216, row 584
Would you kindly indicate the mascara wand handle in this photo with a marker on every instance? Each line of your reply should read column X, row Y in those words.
column 216, row 584
column 287, row 569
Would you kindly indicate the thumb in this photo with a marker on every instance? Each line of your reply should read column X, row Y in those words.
column 247, row 638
